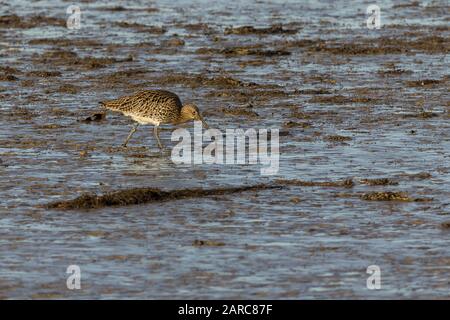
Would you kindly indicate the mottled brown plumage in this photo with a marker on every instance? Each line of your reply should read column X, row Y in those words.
column 154, row 107
column 157, row 106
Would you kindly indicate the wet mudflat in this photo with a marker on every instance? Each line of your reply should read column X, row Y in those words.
column 364, row 151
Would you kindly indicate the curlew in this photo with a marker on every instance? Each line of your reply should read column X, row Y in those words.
column 154, row 107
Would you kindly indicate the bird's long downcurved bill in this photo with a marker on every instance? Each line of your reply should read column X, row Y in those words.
column 204, row 122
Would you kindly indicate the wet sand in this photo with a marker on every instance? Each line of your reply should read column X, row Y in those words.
column 364, row 151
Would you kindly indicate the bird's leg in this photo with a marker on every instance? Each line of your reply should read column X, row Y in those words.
column 156, row 132
column 133, row 130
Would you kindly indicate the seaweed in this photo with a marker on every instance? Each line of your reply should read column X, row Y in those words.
column 147, row 195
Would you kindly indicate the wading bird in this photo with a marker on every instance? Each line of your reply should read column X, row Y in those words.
column 154, row 107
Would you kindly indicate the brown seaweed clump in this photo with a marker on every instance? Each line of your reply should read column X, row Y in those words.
column 339, row 99
column 121, row 8
column 207, row 243
column 427, row 83
column 65, row 57
column 141, row 27
column 406, row 5
column 386, row 196
column 252, row 50
column 199, row 80
column 119, row 76
column 358, row 49
column 44, row 74
column 9, row 70
column 274, row 29
column 65, row 42
column 244, row 112
column 295, row 124
column 379, row 182
column 338, row 138
column 347, row 183
column 445, row 225
column 242, row 51
column 420, row 176
column 14, row 21
column 394, row 71
column 8, row 77
column 422, row 115
column 146, row 195
column 380, row 46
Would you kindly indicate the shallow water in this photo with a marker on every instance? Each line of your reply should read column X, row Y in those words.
column 297, row 242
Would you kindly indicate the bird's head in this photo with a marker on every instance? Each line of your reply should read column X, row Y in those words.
column 191, row 112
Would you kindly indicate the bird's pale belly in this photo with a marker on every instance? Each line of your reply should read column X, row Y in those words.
column 143, row 120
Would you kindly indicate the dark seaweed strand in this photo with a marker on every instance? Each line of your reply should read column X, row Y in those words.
column 146, row 195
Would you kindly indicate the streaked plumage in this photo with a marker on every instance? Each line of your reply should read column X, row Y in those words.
column 154, row 107
column 150, row 106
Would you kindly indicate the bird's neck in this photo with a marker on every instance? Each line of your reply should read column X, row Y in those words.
column 183, row 117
